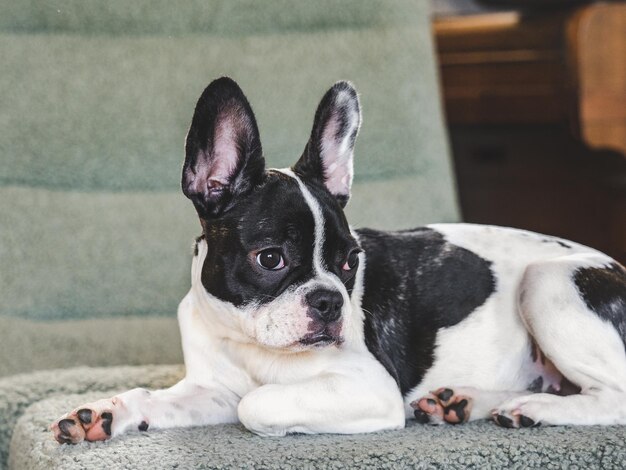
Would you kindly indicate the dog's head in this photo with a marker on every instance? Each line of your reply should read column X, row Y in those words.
column 280, row 257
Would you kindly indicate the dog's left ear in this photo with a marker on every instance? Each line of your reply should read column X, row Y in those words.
column 328, row 155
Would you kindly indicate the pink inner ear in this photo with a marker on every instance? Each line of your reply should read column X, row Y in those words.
column 225, row 157
column 214, row 171
column 336, row 154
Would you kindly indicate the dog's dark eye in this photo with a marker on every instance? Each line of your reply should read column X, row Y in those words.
column 270, row 259
column 352, row 261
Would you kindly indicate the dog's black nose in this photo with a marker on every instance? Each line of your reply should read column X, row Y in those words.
column 325, row 304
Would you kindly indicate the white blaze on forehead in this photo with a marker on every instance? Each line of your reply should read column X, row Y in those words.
column 352, row 330
column 318, row 220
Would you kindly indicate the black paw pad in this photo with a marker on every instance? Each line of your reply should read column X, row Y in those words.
column 526, row 422
column 445, row 394
column 63, row 439
column 143, row 426
column 65, row 425
column 106, row 422
column 458, row 409
column 84, row 416
column 421, row 416
column 504, row 421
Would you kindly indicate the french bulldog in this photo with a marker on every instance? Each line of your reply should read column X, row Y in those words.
column 297, row 323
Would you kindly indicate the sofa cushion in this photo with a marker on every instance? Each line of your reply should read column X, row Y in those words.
column 111, row 113
column 478, row 445
column 20, row 391
column 69, row 254
column 221, row 17
column 29, row 345
column 92, row 255
column 99, row 96
column 96, row 99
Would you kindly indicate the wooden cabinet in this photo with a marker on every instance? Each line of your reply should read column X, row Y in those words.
column 536, row 108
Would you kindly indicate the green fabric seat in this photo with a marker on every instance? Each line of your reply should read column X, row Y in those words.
column 476, row 445
column 95, row 235
column 95, row 100
column 20, row 391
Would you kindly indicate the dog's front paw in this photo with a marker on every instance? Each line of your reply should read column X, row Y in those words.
column 259, row 411
column 91, row 422
column 443, row 406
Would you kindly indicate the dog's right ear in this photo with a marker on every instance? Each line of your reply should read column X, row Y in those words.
column 223, row 155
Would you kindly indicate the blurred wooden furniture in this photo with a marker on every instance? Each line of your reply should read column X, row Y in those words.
column 596, row 37
column 536, row 108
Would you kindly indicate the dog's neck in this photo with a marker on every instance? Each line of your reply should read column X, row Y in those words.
column 221, row 317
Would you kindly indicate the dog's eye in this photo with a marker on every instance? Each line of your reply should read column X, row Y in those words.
column 270, row 259
column 352, row 261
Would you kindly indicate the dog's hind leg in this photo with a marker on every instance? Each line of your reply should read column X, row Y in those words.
column 575, row 309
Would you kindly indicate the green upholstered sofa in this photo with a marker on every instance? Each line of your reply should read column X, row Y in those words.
column 96, row 98
column 95, row 235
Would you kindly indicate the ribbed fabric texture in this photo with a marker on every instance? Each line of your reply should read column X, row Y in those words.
column 481, row 445
column 95, row 100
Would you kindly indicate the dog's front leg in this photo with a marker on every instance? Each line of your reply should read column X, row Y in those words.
column 185, row 404
column 328, row 403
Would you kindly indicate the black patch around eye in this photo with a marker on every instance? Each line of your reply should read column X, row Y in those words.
column 293, row 234
column 275, row 214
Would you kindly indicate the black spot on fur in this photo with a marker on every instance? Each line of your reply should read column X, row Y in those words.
column 143, row 426
column 604, row 292
column 536, row 386
column 533, row 344
column 195, row 246
column 415, row 284
column 557, row 241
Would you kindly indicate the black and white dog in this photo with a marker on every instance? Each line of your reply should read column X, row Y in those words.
column 296, row 323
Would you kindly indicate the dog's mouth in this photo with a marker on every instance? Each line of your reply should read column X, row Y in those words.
column 318, row 339
column 321, row 339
